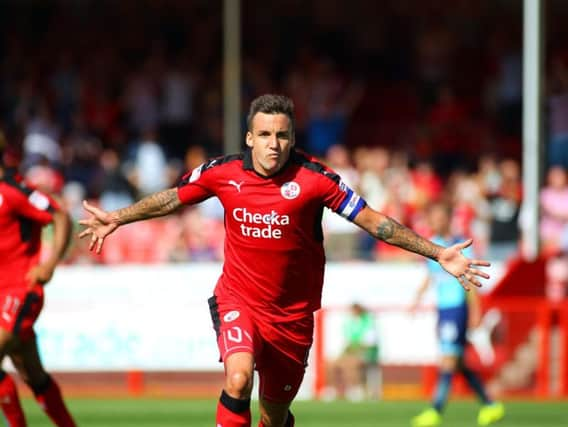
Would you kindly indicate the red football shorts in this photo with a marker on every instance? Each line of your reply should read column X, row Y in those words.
column 19, row 309
column 280, row 355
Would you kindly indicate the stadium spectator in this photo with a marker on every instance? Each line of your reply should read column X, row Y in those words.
column 426, row 184
column 471, row 210
column 504, row 207
column 558, row 111
column 177, row 100
column 41, row 136
column 447, row 119
column 505, row 88
column 149, row 169
column 331, row 102
column 23, row 213
column 554, row 205
column 141, row 98
column 371, row 165
column 456, row 311
column 488, row 175
column 263, row 304
column 399, row 191
column 65, row 86
column 113, row 187
column 81, row 153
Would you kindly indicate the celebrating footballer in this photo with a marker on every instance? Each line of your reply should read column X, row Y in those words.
column 271, row 284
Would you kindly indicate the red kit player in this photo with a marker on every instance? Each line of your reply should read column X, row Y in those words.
column 263, row 304
column 23, row 213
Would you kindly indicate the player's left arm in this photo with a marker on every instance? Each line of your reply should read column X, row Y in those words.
column 42, row 273
column 384, row 228
column 43, row 209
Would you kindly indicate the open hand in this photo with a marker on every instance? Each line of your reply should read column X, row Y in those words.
column 463, row 268
column 99, row 225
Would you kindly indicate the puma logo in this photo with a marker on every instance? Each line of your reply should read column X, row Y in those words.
column 237, row 186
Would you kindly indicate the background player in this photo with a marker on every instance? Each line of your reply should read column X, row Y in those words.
column 355, row 373
column 263, row 304
column 23, row 213
column 456, row 311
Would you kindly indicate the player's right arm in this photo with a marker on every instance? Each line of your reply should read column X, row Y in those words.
column 102, row 223
column 194, row 187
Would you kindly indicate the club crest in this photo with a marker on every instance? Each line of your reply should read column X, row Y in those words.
column 290, row 190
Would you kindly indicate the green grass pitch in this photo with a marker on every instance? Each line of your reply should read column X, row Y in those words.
column 198, row 413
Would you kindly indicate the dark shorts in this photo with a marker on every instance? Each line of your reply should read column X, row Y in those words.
column 280, row 362
column 19, row 309
column 452, row 329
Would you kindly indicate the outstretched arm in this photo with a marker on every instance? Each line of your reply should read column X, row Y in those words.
column 102, row 223
column 451, row 259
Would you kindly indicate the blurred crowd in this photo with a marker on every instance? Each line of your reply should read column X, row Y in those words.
column 410, row 102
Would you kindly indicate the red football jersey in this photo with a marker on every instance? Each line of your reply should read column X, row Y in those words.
column 274, row 257
column 23, row 212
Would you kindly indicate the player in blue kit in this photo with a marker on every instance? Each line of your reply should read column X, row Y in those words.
column 457, row 310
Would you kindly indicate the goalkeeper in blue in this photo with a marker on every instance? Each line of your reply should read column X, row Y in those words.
column 457, row 309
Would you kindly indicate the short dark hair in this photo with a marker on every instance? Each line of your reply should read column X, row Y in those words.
column 272, row 104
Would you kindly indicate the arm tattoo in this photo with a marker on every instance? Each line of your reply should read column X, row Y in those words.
column 154, row 205
column 397, row 234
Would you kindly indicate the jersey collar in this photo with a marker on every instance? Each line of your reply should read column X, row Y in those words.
column 248, row 165
column 247, row 160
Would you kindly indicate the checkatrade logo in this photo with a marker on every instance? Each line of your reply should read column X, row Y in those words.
column 260, row 225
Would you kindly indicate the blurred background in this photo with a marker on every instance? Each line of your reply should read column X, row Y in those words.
column 410, row 101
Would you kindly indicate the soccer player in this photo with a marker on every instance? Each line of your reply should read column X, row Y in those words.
column 263, row 304
column 456, row 310
column 23, row 213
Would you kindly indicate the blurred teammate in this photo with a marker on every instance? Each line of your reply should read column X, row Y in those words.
column 23, row 213
column 456, row 311
column 263, row 304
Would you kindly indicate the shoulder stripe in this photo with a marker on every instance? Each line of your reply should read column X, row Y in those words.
column 19, row 185
column 303, row 161
column 193, row 175
column 33, row 195
column 217, row 161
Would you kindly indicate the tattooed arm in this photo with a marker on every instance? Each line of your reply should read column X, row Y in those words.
column 394, row 233
column 155, row 205
column 451, row 259
column 102, row 223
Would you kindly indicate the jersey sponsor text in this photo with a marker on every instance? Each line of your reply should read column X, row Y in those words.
column 260, row 225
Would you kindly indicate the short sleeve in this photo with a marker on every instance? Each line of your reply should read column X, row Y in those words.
column 339, row 197
column 35, row 205
column 196, row 185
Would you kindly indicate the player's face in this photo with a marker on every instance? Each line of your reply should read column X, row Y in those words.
column 271, row 139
